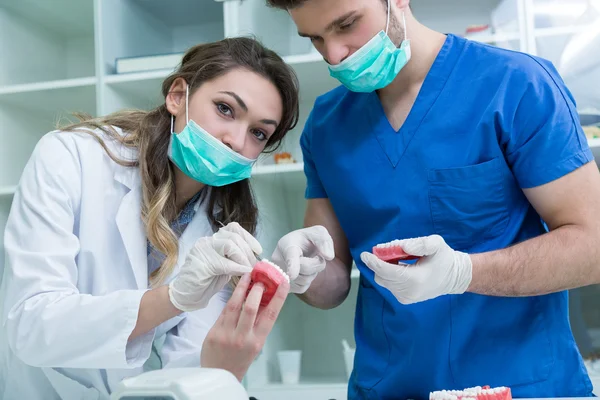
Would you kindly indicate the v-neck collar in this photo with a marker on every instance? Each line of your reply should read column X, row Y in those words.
column 393, row 145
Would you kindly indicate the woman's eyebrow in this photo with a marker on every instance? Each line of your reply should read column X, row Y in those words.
column 238, row 99
column 269, row 122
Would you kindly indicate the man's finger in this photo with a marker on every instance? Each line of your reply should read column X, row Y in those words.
column 311, row 265
column 303, row 280
column 422, row 246
column 380, row 268
column 319, row 236
column 291, row 257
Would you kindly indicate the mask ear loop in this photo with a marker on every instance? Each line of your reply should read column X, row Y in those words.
column 404, row 22
column 187, row 97
column 387, row 24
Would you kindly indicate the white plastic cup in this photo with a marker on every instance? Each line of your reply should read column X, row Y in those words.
column 289, row 366
column 349, row 360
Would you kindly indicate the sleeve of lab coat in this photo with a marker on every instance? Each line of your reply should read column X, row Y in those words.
column 48, row 323
column 183, row 343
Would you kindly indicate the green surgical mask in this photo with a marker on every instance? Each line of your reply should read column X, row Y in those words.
column 204, row 158
column 375, row 65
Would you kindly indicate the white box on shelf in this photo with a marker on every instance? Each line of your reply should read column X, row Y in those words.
column 125, row 65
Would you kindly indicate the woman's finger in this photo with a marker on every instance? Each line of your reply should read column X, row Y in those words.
column 250, row 309
column 246, row 236
column 268, row 315
column 241, row 246
column 231, row 313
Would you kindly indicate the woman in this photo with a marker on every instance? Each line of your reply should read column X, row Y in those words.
column 123, row 231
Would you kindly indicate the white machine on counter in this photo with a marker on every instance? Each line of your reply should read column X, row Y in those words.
column 181, row 384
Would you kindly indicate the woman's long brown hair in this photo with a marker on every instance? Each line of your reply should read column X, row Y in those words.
column 149, row 133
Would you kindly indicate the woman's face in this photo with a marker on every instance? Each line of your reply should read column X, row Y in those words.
column 240, row 108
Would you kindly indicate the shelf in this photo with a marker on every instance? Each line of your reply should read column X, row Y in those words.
column 594, row 143
column 7, row 190
column 136, row 90
column 494, row 37
column 563, row 30
column 310, row 68
column 159, row 74
column 277, row 169
column 447, row 16
column 279, row 387
column 64, row 17
column 53, row 97
column 182, row 12
column 49, row 85
column 313, row 76
column 313, row 57
column 301, row 391
column 46, row 40
column 157, row 27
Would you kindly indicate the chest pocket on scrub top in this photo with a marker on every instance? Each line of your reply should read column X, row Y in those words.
column 468, row 203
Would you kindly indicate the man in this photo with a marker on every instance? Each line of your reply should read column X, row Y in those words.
column 466, row 152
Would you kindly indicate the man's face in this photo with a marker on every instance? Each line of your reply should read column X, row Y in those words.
column 338, row 28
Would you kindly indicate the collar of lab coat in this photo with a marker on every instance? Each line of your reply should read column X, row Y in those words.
column 132, row 230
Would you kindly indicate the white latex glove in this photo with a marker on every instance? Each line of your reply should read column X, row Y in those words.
column 210, row 264
column 440, row 271
column 302, row 254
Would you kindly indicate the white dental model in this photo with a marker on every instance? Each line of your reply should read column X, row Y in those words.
column 474, row 393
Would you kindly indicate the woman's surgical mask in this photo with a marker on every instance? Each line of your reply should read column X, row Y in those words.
column 376, row 64
column 205, row 158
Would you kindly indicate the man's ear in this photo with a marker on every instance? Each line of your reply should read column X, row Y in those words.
column 402, row 4
column 175, row 100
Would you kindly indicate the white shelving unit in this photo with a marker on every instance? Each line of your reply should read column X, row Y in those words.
column 59, row 56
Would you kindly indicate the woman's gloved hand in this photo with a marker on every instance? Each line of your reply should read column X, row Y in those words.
column 210, row 264
column 303, row 254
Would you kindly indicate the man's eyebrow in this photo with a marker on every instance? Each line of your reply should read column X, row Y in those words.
column 238, row 99
column 338, row 21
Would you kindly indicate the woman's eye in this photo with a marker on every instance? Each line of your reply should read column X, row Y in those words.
column 260, row 135
column 224, row 109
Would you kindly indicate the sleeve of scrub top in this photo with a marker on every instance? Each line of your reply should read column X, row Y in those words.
column 48, row 322
column 314, row 187
column 183, row 343
column 545, row 140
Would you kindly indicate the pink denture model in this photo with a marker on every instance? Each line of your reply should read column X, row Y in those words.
column 475, row 393
column 270, row 275
column 391, row 252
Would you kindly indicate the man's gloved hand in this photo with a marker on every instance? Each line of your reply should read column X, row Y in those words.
column 439, row 271
column 303, row 254
column 210, row 264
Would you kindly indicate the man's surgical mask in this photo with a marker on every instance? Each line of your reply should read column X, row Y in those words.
column 205, row 158
column 376, row 64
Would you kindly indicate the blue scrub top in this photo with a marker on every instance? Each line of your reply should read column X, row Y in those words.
column 486, row 124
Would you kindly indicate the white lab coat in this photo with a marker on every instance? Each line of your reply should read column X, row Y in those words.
column 75, row 271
